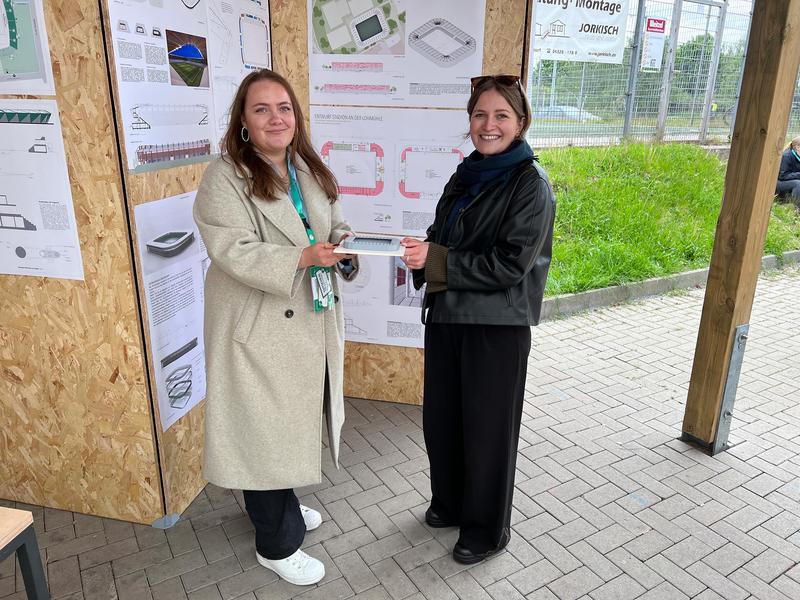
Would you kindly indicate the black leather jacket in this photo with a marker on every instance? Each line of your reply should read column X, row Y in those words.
column 790, row 166
column 498, row 252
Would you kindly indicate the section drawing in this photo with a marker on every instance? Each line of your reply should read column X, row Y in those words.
column 11, row 219
column 425, row 169
column 442, row 43
column 25, row 117
column 358, row 166
column 148, row 116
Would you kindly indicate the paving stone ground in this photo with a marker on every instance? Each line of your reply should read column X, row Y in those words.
column 609, row 504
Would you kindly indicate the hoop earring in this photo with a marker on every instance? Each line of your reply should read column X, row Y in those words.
column 244, row 132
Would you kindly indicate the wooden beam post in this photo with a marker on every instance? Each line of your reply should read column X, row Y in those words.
column 770, row 72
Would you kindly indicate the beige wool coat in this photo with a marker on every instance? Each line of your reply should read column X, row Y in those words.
column 266, row 348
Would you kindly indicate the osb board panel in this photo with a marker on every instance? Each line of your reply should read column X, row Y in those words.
column 504, row 36
column 290, row 45
column 181, row 446
column 76, row 423
column 389, row 373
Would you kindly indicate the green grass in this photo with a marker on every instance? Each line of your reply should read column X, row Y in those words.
column 191, row 74
column 628, row 213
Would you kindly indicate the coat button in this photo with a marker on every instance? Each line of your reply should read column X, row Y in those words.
column 289, row 313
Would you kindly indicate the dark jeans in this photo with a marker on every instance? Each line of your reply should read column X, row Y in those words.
column 279, row 524
column 791, row 189
column 472, row 408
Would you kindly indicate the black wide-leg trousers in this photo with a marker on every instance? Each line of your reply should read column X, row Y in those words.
column 472, row 408
column 280, row 528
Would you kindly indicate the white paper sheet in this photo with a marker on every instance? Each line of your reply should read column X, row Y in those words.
column 161, row 60
column 173, row 260
column 38, row 231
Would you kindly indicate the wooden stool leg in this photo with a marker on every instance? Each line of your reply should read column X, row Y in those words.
column 30, row 563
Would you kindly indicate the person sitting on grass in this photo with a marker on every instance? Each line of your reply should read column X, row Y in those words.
column 788, row 186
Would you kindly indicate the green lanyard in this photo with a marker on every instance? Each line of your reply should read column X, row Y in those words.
column 320, row 276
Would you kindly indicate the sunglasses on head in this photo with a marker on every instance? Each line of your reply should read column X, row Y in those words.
column 507, row 80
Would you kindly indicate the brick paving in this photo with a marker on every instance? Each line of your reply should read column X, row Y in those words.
column 609, row 504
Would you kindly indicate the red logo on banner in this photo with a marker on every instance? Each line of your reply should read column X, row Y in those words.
column 657, row 25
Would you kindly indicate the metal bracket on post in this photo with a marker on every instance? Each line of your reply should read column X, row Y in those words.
column 725, row 417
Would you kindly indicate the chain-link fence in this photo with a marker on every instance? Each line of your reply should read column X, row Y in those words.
column 581, row 103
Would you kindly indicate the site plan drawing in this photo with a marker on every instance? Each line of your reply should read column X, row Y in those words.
column 38, row 231
column 25, row 66
column 173, row 261
column 394, row 52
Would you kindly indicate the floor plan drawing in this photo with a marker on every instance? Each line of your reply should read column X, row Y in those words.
column 425, row 169
column 358, row 166
column 24, row 51
column 238, row 43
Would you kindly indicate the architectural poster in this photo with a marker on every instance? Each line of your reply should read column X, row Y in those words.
column 178, row 64
column 174, row 261
column 394, row 52
column 25, row 66
column 38, row 231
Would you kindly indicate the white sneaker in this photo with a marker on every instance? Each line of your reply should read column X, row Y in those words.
column 312, row 517
column 299, row 568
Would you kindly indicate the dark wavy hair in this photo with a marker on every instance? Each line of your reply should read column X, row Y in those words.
column 512, row 93
column 265, row 182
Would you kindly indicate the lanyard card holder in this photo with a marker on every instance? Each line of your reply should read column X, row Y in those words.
column 321, row 288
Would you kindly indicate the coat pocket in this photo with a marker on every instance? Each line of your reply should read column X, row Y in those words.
column 247, row 318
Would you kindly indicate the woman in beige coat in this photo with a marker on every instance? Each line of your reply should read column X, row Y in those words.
column 274, row 334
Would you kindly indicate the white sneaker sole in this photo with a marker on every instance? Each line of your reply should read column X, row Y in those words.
column 314, row 519
column 293, row 580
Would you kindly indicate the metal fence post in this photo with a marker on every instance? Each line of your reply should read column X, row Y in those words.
column 633, row 74
column 735, row 106
column 666, row 82
column 712, row 72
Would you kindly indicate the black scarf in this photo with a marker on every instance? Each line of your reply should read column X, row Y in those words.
column 476, row 171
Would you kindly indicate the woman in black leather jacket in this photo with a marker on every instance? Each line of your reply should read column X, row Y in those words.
column 788, row 185
column 485, row 262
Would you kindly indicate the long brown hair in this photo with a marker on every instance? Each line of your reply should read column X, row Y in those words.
column 265, row 182
column 512, row 92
